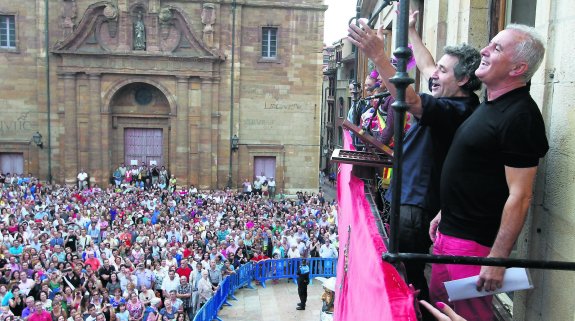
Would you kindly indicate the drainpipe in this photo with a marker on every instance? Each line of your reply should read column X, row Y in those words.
column 232, row 90
column 48, row 103
column 321, row 120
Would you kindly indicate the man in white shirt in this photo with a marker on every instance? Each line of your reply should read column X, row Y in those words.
column 327, row 250
column 170, row 283
column 272, row 187
column 293, row 252
column 25, row 283
column 82, row 179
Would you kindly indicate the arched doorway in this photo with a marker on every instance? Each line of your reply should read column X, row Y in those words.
column 140, row 125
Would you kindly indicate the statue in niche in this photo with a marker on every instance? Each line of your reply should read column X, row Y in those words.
column 139, row 33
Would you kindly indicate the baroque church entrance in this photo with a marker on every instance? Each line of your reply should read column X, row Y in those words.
column 140, row 125
column 138, row 83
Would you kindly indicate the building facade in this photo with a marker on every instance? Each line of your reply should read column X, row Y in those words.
column 550, row 227
column 163, row 82
column 338, row 74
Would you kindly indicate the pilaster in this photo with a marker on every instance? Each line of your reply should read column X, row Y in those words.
column 182, row 139
column 96, row 171
column 70, row 152
column 205, row 135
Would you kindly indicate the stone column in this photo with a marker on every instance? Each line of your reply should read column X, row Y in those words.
column 95, row 151
column 471, row 19
column 70, row 152
column 194, row 131
column 218, row 180
column 182, row 142
column 205, row 148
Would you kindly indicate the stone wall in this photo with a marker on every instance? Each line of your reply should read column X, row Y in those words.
column 552, row 232
column 188, row 59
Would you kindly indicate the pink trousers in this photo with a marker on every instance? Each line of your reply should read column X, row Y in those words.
column 478, row 309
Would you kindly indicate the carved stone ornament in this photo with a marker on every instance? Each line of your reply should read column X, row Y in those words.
column 111, row 12
column 68, row 17
column 166, row 16
column 208, row 20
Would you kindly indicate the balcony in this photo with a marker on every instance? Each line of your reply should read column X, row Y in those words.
column 331, row 67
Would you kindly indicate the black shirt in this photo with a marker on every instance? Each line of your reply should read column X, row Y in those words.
column 508, row 131
column 108, row 271
column 71, row 242
column 426, row 145
column 75, row 280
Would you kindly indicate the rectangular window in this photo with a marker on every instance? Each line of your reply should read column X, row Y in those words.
column 7, row 31
column 269, row 42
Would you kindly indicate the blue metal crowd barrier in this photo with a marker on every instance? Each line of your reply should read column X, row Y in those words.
column 287, row 269
column 261, row 271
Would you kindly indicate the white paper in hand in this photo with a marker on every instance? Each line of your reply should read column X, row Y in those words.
column 515, row 279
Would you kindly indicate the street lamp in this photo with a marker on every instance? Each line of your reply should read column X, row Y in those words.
column 37, row 139
column 235, row 143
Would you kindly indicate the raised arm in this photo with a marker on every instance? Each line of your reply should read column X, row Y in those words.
column 520, row 183
column 371, row 43
column 423, row 58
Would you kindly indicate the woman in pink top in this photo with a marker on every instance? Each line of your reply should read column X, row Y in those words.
column 135, row 308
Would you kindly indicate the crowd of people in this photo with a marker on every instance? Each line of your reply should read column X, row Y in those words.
column 141, row 252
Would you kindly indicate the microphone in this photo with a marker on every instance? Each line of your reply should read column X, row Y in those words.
column 378, row 96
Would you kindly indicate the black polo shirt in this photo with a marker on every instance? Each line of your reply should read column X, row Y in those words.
column 443, row 116
column 508, row 131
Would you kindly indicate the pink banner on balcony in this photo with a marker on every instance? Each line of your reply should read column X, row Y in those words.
column 367, row 288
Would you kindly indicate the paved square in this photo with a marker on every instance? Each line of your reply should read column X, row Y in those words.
column 276, row 302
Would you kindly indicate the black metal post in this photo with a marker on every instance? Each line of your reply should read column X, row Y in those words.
column 401, row 80
column 356, row 82
column 48, row 99
column 230, row 171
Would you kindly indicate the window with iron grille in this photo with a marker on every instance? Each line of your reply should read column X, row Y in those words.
column 269, row 42
column 7, row 31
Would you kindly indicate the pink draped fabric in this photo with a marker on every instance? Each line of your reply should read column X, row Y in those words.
column 370, row 289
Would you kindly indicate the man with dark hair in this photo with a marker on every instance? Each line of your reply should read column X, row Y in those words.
column 437, row 117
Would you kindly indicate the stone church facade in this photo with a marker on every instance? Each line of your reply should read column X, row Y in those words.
column 151, row 81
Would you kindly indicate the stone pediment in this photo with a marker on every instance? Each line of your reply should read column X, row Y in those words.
column 108, row 30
